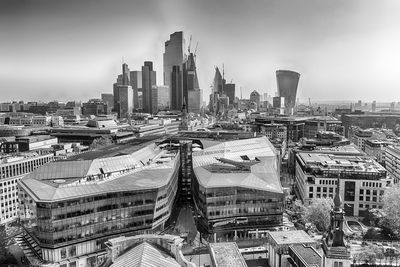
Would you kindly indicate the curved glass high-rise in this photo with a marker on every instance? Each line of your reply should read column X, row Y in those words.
column 287, row 81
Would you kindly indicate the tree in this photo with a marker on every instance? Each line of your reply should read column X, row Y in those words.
column 391, row 209
column 369, row 255
column 99, row 142
column 318, row 213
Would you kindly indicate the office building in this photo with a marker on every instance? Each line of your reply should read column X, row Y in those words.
column 317, row 124
column 362, row 180
column 123, row 100
column 109, row 100
column 69, row 209
column 236, row 188
column 370, row 120
column 287, row 82
column 359, row 137
column 229, row 89
column 12, row 168
column 376, row 149
column 148, row 82
column 294, row 125
column 278, row 104
column 255, row 98
column 392, row 161
column 173, row 56
column 94, row 107
column 163, row 98
column 137, row 87
column 191, row 90
column 176, row 88
column 123, row 94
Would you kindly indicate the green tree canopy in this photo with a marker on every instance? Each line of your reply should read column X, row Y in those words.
column 318, row 213
column 391, row 209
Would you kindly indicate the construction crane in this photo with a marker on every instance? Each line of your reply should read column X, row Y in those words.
column 195, row 53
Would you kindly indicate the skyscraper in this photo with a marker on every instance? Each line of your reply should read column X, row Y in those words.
column 148, row 81
column 173, row 56
column 287, row 82
column 123, row 94
column 136, row 83
column 191, row 90
column 176, row 85
column 255, row 97
column 123, row 100
column 229, row 90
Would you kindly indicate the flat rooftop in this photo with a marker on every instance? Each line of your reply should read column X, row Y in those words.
column 250, row 163
column 289, row 237
column 226, row 254
column 307, row 254
column 342, row 162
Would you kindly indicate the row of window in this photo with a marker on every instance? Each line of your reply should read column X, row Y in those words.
column 371, row 184
column 248, row 210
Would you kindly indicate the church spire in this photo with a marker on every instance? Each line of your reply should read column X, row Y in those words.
column 337, row 201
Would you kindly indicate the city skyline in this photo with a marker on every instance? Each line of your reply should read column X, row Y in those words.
column 344, row 50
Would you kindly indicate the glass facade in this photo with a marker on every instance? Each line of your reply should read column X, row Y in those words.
column 69, row 227
column 227, row 209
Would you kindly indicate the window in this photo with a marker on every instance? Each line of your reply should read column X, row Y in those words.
column 311, row 189
column 63, row 252
column 72, row 251
column 338, row 264
column 318, row 189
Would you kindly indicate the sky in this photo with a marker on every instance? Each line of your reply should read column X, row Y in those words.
column 73, row 50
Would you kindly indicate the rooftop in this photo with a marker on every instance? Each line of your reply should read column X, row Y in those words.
column 147, row 168
column 254, row 160
column 343, row 162
column 307, row 254
column 290, row 237
column 145, row 255
column 226, row 254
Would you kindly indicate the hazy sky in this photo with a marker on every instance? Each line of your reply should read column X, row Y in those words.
column 65, row 50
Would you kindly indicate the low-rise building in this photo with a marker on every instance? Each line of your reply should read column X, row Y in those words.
column 280, row 242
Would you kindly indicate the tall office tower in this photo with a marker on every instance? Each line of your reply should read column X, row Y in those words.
column 154, row 99
column 255, row 97
column 191, row 90
column 125, row 74
column 218, row 81
column 217, row 91
column 123, row 100
column 163, row 97
column 173, row 56
column 229, row 90
column 287, row 87
column 136, row 83
column 148, row 81
column 176, row 85
column 109, row 99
